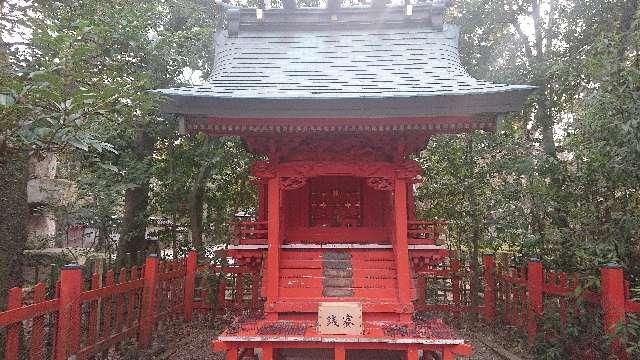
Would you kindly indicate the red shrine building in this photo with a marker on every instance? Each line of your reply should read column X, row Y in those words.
column 336, row 102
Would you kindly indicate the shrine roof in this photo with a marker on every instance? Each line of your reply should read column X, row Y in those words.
column 314, row 62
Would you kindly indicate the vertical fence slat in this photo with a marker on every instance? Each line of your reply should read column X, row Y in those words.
column 36, row 351
column 613, row 303
column 67, row 338
column 147, row 316
column 120, row 302
column 93, row 312
column 107, row 309
column 131, row 302
column 12, row 346
column 489, row 311
column 535, row 280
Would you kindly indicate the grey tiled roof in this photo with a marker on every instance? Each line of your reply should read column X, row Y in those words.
column 388, row 60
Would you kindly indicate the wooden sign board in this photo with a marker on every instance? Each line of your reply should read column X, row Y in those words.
column 340, row 318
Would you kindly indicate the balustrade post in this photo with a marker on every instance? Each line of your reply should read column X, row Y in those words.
column 489, row 310
column 613, row 301
column 190, row 284
column 535, row 281
column 68, row 329
column 147, row 312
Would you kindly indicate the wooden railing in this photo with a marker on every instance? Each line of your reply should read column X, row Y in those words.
column 249, row 233
column 425, row 232
column 116, row 306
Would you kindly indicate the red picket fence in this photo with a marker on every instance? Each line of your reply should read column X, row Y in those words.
column 132, row 303
column 449, row 288
column 129, row 304
column 237, row 288
column 521, row 296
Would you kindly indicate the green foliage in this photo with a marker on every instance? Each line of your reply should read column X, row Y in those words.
column 176, row 166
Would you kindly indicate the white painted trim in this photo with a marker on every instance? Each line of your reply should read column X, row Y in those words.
column 325, row 339
column 336, row 246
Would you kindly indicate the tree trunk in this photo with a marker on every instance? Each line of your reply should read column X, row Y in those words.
column 132, row 237
column 197, row 203
column 13, row 220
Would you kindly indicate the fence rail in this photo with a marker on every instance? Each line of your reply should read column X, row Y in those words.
column 132, row 302
column 249, row 233
column 116, row 306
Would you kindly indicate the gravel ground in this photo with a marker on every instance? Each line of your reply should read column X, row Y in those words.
column 193, row 342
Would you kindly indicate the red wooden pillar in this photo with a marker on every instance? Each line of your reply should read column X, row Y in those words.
column 273, row 251
column 267, row 352
column 190, row 284
column 613, row 302
column 489, row 311
column 535, row 281
column 232, row 353
column 400, row 246
column 412, row 354
column 340, row 353
column 147, row 313
column 68, row 330
column 448, row 354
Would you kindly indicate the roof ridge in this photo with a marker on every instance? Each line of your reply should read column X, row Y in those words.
column 429, row 15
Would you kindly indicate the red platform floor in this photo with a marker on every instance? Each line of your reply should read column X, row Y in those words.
column 289, row 340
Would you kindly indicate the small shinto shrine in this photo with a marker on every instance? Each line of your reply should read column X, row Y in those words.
column 336, row 101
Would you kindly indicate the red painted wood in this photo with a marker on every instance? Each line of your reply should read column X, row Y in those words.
column 340, row 353
column 93, row 313
column 535, row 281
column 255, row 290
column 400, row 245
column 448, row 355
column 36, row 343
column 412, row 354
column 14, row 301
column 328, row 122
column 232, row 353
column 613, row 304
column 55, row 317
column 190, row 284
column 67, row 338
column 273, row 252
column 489, row 311
column 132, row 302
column 147, row 318
column 267, row 352
column 120, row 303
column 107, row 306
column 329, row 235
